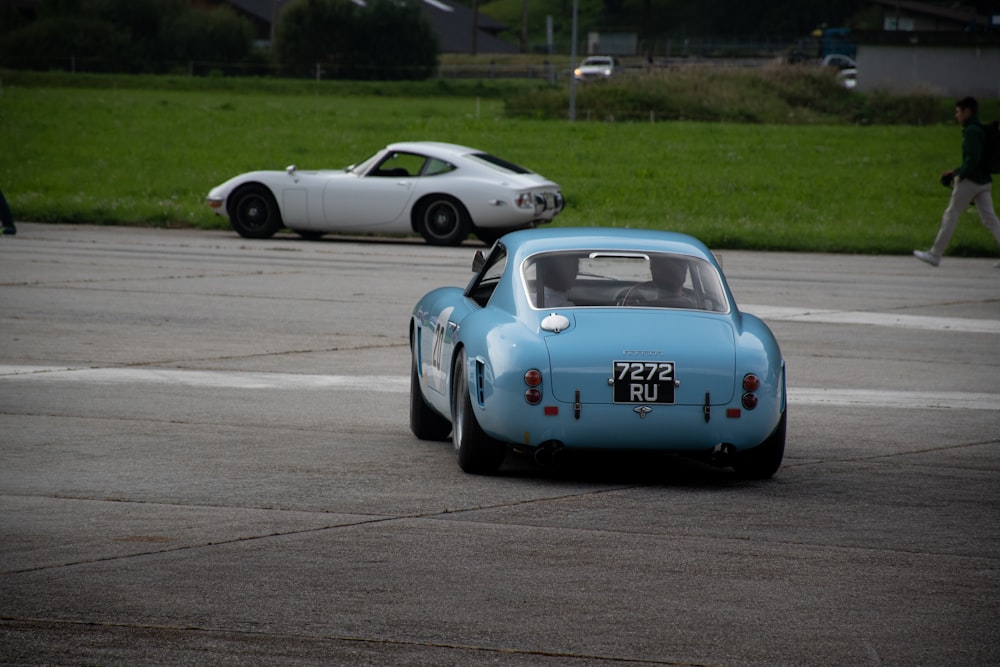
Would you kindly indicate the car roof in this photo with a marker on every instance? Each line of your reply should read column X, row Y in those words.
column 438, row 147
column 548, row 239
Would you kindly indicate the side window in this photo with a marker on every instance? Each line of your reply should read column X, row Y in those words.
column 398, row 165
column 482, row 288
column 707, row 285
column 436, row 167
column 550, row 277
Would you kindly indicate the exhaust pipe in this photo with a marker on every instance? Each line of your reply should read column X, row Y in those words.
column 723, row 455
column 549, row 453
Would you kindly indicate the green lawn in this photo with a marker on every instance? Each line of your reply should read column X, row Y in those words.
column 123, row 154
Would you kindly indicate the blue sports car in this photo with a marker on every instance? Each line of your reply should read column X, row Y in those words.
column 572, row 339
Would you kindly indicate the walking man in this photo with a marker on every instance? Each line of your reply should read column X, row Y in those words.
column 969, row 183
column 6, row 218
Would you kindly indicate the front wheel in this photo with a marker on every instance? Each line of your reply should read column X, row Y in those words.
column 443, row 221
column 253, row 212
column 763, row 461
column 477, row 452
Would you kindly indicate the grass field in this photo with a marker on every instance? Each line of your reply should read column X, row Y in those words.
column 116, row 152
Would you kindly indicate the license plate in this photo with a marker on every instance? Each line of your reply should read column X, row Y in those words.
column 644, row 382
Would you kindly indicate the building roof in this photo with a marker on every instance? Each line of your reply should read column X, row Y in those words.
column 963, row 17
column 451, row 22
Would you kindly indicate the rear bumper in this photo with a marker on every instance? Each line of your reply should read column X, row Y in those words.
column 668, row 428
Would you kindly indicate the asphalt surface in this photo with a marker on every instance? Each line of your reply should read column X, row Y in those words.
column 206, row 460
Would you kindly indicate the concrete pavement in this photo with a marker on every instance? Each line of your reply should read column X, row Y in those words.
column 206, row 459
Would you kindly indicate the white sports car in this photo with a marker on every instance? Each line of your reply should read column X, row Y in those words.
column 441, row 191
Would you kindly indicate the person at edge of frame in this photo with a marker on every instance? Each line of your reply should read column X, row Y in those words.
column 970, row 182
column 6, row 217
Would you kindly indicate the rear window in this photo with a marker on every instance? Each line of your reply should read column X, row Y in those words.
column 499, row 163
column 623, row 279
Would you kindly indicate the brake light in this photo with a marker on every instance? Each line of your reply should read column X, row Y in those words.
column 751, row 383
column 533, row 378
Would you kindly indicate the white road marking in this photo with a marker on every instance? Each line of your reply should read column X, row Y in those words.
column 199, row 378
column 821, row 316
column 918, row 400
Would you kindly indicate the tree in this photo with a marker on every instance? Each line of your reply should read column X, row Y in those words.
column 215, row 36
column 127, row 36
column 314, row 31
column 76, row 42
column 385, row 40
column 396, row 42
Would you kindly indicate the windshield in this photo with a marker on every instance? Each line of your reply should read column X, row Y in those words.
column 362, row 167
column 625, row 279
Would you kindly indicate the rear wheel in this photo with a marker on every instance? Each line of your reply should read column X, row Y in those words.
column 489, row 235
column 424, row 422
column 443, row 220
column 477, row 452
column 763, row 461
column 253, row 212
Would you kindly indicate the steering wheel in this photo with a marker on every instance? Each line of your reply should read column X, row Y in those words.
column 648, row 294
column 640, row 294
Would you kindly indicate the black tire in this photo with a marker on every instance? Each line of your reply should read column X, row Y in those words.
column 477, row 452
column 763, row 461
column 424, row 422
column 253, row 212
column 442, row 220
column 490, row 235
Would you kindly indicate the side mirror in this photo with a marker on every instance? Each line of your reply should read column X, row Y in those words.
column 478, row 261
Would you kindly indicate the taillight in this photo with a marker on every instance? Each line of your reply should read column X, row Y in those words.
column 751, row 383
column 533, row 378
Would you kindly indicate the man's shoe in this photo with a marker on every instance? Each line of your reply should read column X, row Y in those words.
column 928, row 257
column 9, row 231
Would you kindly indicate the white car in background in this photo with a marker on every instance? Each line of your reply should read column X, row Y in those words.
column 597, row 67
column 848, row 78
column 838, row 60
column 441, row 191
